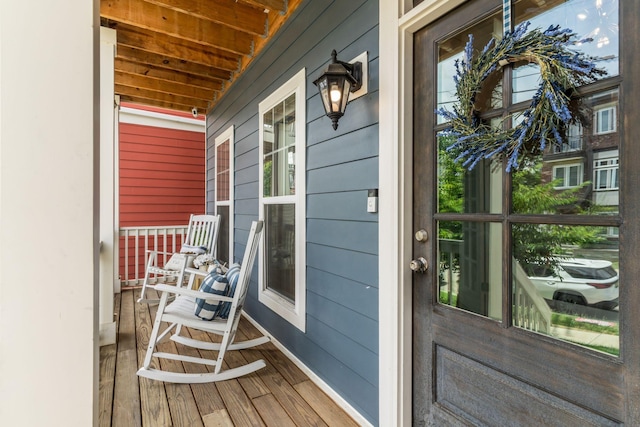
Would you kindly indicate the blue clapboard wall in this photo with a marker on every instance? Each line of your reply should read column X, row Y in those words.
column 341, row 340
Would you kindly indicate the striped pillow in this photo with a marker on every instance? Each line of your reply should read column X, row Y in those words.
column 216, row 284
column 190, row 249
column 232, row 277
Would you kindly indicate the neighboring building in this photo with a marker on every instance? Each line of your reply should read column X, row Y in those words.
column 161, row 181
column 161, row 166
column 590, row 157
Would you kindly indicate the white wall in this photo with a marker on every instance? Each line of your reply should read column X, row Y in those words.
column 48, row 269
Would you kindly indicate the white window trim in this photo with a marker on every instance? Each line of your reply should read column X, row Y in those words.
column 228, row 134
column 598, row 111
column 566, row 167
column 293, row 313
column 607, row 155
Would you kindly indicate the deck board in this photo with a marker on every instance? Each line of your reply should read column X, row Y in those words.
column 153, row 398
column 272, row 412
column 108, row 354
column 278, row 395
column 126, row 406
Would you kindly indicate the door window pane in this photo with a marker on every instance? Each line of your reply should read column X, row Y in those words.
column 582, row 180
column 470, row 266
column 451, row 51
column 566, row 283
column 595, row 19
column 461, row 191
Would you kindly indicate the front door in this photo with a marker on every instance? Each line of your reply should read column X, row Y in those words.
column 524, row 285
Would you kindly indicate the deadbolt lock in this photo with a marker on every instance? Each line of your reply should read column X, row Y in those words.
column 422, row 236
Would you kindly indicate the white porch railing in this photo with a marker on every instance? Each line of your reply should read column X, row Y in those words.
column 134, row 243
column 530, row 310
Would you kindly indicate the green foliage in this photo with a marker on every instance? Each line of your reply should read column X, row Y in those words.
column 569, row 321
column 532, row 243
column 450, row 189
column 542, row 243
column 444, row 299
column 268, row 166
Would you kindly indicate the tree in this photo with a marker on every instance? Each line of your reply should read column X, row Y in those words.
column 533, row 244
column 536, row 244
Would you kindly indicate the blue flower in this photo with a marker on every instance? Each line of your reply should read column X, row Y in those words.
column 468, row 52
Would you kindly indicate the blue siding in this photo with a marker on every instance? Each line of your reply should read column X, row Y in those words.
column 341, row 340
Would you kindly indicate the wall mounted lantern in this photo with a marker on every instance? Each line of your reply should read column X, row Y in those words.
column 335, row 84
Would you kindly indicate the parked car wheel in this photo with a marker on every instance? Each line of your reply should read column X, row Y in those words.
column 569, row 298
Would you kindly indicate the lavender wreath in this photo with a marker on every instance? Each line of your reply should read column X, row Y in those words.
column 561, row 71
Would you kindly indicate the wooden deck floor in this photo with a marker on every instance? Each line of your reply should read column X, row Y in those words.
column 279, row 395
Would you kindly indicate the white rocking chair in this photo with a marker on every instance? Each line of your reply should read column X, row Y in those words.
column 201, row 238
column 181, row 312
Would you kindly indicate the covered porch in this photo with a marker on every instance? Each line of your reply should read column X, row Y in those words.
column 279, row 395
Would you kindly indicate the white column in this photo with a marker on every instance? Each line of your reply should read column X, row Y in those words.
column 108, row 228
column 48, row 223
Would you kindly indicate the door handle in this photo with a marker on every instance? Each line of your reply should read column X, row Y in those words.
column 419, row 265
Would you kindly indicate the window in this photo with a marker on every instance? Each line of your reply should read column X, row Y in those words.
column 282, row 200
column 567, row 176
column 224, row 194
column 605, row 174
column 605, row 120
column 574, row 138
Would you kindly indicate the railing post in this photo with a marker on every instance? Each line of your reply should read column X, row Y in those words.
column 140, row 253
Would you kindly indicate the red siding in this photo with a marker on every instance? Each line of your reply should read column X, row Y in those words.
column 162, row 175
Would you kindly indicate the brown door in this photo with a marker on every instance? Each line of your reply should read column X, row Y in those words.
column 524, row 293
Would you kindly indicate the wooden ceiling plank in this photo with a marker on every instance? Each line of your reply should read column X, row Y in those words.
column 162, row 44
column 144, row 57
column 170, row 52
column 177, row 24
column 130, row 67
column 276, row 20
column 150, row 95
column 276, row 5
column 236, row 15
column 160, row 104
column 157, row 85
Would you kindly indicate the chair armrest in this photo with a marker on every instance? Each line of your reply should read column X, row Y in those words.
column 151, row 251
column 196, row 271
column 190, row 292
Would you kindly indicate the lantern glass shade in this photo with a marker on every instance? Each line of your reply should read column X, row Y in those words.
column 334, row 91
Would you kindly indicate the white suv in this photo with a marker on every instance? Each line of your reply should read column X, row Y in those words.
column 578, row 281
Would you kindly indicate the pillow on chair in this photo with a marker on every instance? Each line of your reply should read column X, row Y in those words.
column 193, row 250
column 216, row 284
column 232, row 279
column 175, row 263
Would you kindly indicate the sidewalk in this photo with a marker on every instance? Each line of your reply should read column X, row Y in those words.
column 586, row 337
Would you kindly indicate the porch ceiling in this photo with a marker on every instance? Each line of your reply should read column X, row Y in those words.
column 180, row 54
